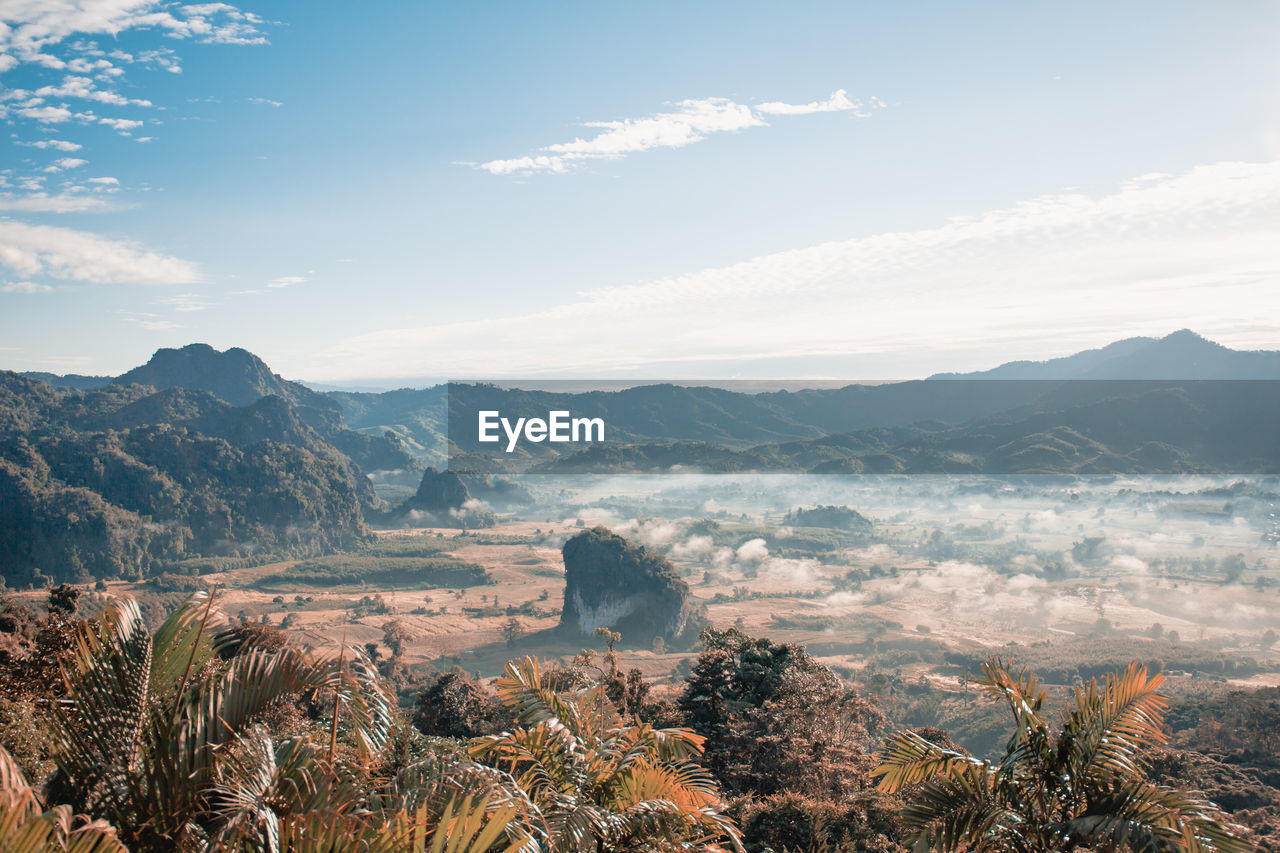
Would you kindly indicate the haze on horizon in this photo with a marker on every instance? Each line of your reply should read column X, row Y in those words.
column 721, row 192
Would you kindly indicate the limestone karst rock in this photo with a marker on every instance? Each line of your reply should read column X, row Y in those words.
column 612, row 583
column 439, row 492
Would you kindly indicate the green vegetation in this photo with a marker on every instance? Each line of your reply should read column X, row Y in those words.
column 208, row 736
column 204, row 736
column 123, row 481
column 1083, row 659
column 834, row 517
column 1080, row 787
column 600, row 783
column 337, row 570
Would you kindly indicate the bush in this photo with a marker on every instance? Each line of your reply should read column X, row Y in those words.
column 798, row 824
column 353, row 570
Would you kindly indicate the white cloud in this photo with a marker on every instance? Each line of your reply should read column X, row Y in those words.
column 838, row 102
column 85, row 89
column 285, row 281
column 265, row 102
column 24, row 287
column 691, row 122
column 105, row 181
column 121, row 124
column 1201, row 249
column 69, row 46
column 65, row 163
column 41, row 202
column 59, row 144
column 154, row 325
column 31, row 250
column 186, row 303
column 46, row 115
column 32, row 25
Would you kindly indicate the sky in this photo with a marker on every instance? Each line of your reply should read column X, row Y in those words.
column 381, row 193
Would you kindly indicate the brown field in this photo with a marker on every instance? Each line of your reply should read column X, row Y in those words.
column 919, row 601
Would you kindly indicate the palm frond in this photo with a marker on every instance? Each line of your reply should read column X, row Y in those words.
column 1137, row 815
column 98, row 737
column 1111, row 728
column 963, row 811
column 184, row 644
column 908, row 759
column 466, row 826
column 26, row 828
column 1022, row 692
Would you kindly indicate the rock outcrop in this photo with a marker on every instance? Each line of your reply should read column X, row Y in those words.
column 612, row 583
column 439, row 492
column 443, row 500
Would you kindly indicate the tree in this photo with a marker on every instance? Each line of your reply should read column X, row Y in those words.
column 601, row 784
column 512, row 631
column 455, row 706
column 776, row 719
column 163, row 735
column 1080, row 787
column 151, row 719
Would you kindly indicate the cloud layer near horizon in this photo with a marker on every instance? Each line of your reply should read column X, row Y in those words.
column 1143, row 259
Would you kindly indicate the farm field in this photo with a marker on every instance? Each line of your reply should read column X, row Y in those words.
column 948, row 573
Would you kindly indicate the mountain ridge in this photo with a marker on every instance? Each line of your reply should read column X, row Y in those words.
column 1179, row 355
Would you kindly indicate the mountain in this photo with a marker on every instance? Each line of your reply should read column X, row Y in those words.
column 1072, row 427
column 196, row 453
column 1180, row 355
column 125, row 481
column 236, row 376
column 442, row 419
column 240, row 378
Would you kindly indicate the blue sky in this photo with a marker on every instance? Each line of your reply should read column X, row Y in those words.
column 654, row 190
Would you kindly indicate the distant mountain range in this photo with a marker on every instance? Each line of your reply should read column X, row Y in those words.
column 201, row 452
column 1181, row 355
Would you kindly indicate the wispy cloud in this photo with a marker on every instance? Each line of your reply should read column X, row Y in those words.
column 121, row 124
column 85, row 88
column 24, row 287
column 1081, row 270
column 692, row 121
column 150, row 322
column 42, row 202
column 266, row 102
column 64, row 253
column 58, row 144
column 35, row 25
column 63, row 163
column 72, row 50
column 285, row 281
column 185, row 303
column 838, row 102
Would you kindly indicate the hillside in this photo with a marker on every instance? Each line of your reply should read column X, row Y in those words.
column 124, row 480
column 744, row 421
column 1099, row 427
column 239, row 378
